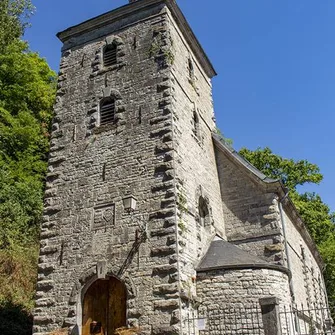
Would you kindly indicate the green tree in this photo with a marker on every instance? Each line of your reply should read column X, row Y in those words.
column 316, row 215
column 27, row 90
column 292, row 173
column 14, row 16
column 27, row 87
column 314, row 212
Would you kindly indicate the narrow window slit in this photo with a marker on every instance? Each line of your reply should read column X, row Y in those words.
column 203, row 212
column 104, row 172
column 196, row 126
column 61, row 255
column 74, row 134
column 106, row 80
column 190, row 69
column 83, row 60
column 140, row 115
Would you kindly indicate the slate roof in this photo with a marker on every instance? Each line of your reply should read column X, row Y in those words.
column 224, row 255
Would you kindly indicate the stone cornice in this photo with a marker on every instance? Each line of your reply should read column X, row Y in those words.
column 133, row 8
column 248, row 266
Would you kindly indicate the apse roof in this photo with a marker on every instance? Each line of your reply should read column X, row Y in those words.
column 222, row 254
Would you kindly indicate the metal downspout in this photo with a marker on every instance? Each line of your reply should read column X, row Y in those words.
column 282, row 217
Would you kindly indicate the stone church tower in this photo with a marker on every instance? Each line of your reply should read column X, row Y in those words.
column 133, row 122
column 141, row 197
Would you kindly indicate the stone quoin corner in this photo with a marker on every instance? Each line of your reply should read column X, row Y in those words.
column 151, row 220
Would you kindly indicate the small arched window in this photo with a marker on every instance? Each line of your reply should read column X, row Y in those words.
column 195, row 122
column 107, row 111
column 190, row 69
column 203, row 212
column 110, row 54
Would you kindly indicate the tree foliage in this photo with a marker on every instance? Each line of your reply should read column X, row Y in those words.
column 26, row 98
column 27, row 89
column 14, row 16
column 292, row 173
column 317, row 216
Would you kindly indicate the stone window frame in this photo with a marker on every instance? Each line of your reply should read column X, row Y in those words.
column 196, row 124
column 94, row 126
column 196, row 132
column 190, row 67
column 203, row 212
column 98, row 63
column 192, row 79
column 202, row 200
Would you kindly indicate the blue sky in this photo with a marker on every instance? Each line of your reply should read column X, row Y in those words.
column 275, row 61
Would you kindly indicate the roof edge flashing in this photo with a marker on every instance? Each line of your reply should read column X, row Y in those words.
column 251, row 266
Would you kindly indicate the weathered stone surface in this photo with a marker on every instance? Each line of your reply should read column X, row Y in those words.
column 168, row 330
column 159, row 149
column 42, row 320
column 162, row 231
column 164, row 270
column 162, row 251
column 169, row 304
column 165, row 289
column 44, row 302
column 48, row 250
column 45, row 285
column 274, row 247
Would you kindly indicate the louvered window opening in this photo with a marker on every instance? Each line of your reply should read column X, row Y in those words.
column 110, row 57
column 107, row 112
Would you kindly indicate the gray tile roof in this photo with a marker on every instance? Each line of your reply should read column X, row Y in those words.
column 224, row 255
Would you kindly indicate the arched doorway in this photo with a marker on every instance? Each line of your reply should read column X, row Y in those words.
column 104, row 307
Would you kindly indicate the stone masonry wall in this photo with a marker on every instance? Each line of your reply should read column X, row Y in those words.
column 92, row 168
column 251, row 213
column 230, row 298
column 195, row 168
column 307, row 279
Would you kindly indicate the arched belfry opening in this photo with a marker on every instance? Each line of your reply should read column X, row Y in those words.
column 104, row 307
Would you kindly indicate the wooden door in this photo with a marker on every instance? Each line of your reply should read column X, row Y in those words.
column 117, row 305
column 104, row 304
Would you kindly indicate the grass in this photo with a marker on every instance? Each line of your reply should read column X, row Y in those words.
column 18, row 271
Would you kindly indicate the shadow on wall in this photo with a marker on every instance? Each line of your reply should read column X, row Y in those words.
column 15, row 320
column 75, row 330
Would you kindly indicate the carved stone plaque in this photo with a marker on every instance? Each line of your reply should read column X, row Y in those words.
column 104, row 216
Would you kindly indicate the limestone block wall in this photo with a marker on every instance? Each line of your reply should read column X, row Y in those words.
column 307, row 279
column 232, row 298
column 251, row 213
column 253, row 222
column 194, row 160
column 92, row 168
